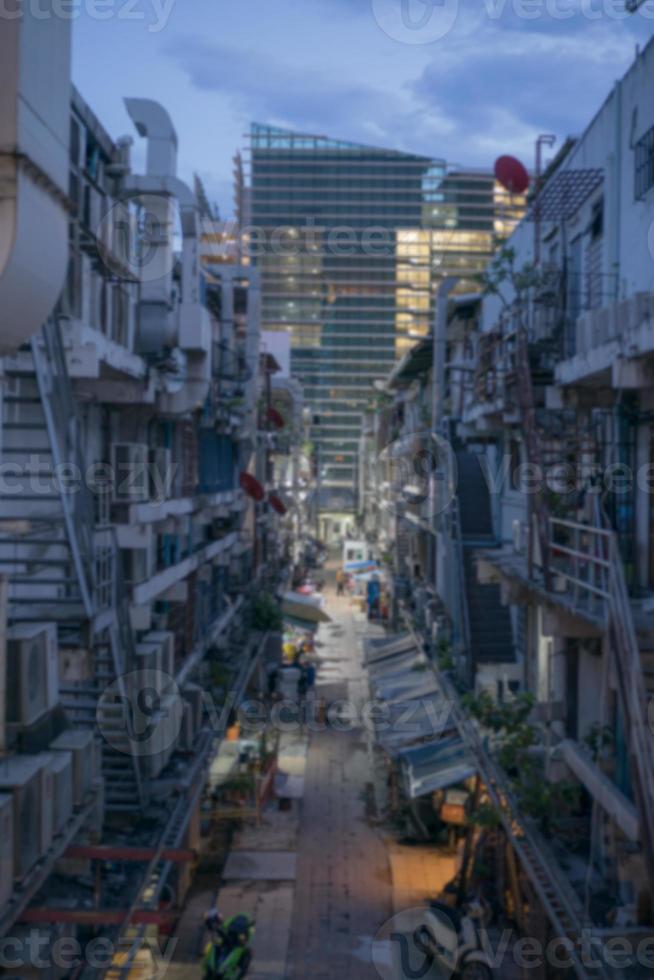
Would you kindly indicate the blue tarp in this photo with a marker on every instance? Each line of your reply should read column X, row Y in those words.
column 435, row 765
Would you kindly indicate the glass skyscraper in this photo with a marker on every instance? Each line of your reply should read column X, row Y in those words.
column 351, row 242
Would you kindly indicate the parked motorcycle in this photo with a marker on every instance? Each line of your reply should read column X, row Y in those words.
column 228, row 954
column 450, row 938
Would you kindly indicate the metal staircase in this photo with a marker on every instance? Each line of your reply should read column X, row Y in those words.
column 532, row 441
column 62, row 567
column 559, row 901
column 487, row 622
column 632, row 688
column 627, row 658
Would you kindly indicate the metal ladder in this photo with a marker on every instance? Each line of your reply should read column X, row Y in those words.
column 133, row 937
column 633, row 698
column 560, row 903
column 59, row 556
column 532, row 440
column 627, row 655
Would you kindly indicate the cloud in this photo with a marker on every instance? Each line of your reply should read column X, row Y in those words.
column 489, row 87
column 499, row 85
column 272, row 91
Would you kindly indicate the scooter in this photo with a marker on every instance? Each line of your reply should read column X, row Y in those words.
column 452, row 941
column 228, row 954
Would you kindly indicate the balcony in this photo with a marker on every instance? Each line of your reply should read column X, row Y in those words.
column 167, row 578
column 92, row 355
column 577, row 577
column 608, row 342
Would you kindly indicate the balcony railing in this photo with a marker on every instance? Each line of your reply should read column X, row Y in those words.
column 580, row 557
column 616, row 321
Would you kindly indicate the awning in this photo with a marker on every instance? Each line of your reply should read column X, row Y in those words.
column 377, row 649
column 361, row 566
column 400, row 662
column 304, row 607
column 400, row 724
column 300, row 624
column 408, row 685
column 435, row 765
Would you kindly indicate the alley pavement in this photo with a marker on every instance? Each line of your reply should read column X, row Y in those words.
column 343, row 891
column 323, row 878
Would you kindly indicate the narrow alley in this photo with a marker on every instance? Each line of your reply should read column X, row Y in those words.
column 343, row 889
column 323, row 878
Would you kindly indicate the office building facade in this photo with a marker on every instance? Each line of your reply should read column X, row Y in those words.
column 352, row 242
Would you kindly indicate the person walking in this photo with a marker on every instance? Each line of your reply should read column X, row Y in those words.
column 340, row 582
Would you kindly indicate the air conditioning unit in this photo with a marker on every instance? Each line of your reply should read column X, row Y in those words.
column 158, row 647
column 194, row 694
column 96, row 819
column 188, row 731
column 136, row 565
column 47, row 805
column 21, row 776
column 131, row 479
column 154, row 760
column 6, row 848
column 172, row 708
column 80, row 742
column 32, row 672
column 60, row 765
column 161, row 474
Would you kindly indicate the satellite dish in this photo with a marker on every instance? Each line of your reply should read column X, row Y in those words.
column 511, row 174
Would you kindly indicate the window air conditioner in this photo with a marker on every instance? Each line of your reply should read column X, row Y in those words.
column 6, row 848
column 80, row 742
column 131, row 479
column 60, row 765
column 188, row 732
column 32, row 672
column 21, row 776
column 159, row 645
column 161, row 474
column 193, row 693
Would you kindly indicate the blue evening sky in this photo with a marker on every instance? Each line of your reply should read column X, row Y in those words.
column 460, row 79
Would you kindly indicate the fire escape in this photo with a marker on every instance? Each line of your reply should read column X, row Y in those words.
column 64, row 562
column 586, row 556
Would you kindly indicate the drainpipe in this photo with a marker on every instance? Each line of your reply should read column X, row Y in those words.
column 617, row 181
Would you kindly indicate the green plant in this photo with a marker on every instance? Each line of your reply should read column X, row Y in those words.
column 266, row 614
column 514, row 737
column 220, row 675
column 598, row 738
column 239, row 785
column 486, row 817
column 444, row 654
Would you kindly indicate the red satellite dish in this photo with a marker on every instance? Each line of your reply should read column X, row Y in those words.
column 511, row 174
column 276, row 418
column 277, row 504
column 251, row 486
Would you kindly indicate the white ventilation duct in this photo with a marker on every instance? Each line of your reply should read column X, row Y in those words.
column 157, row 190
column 34, row 132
